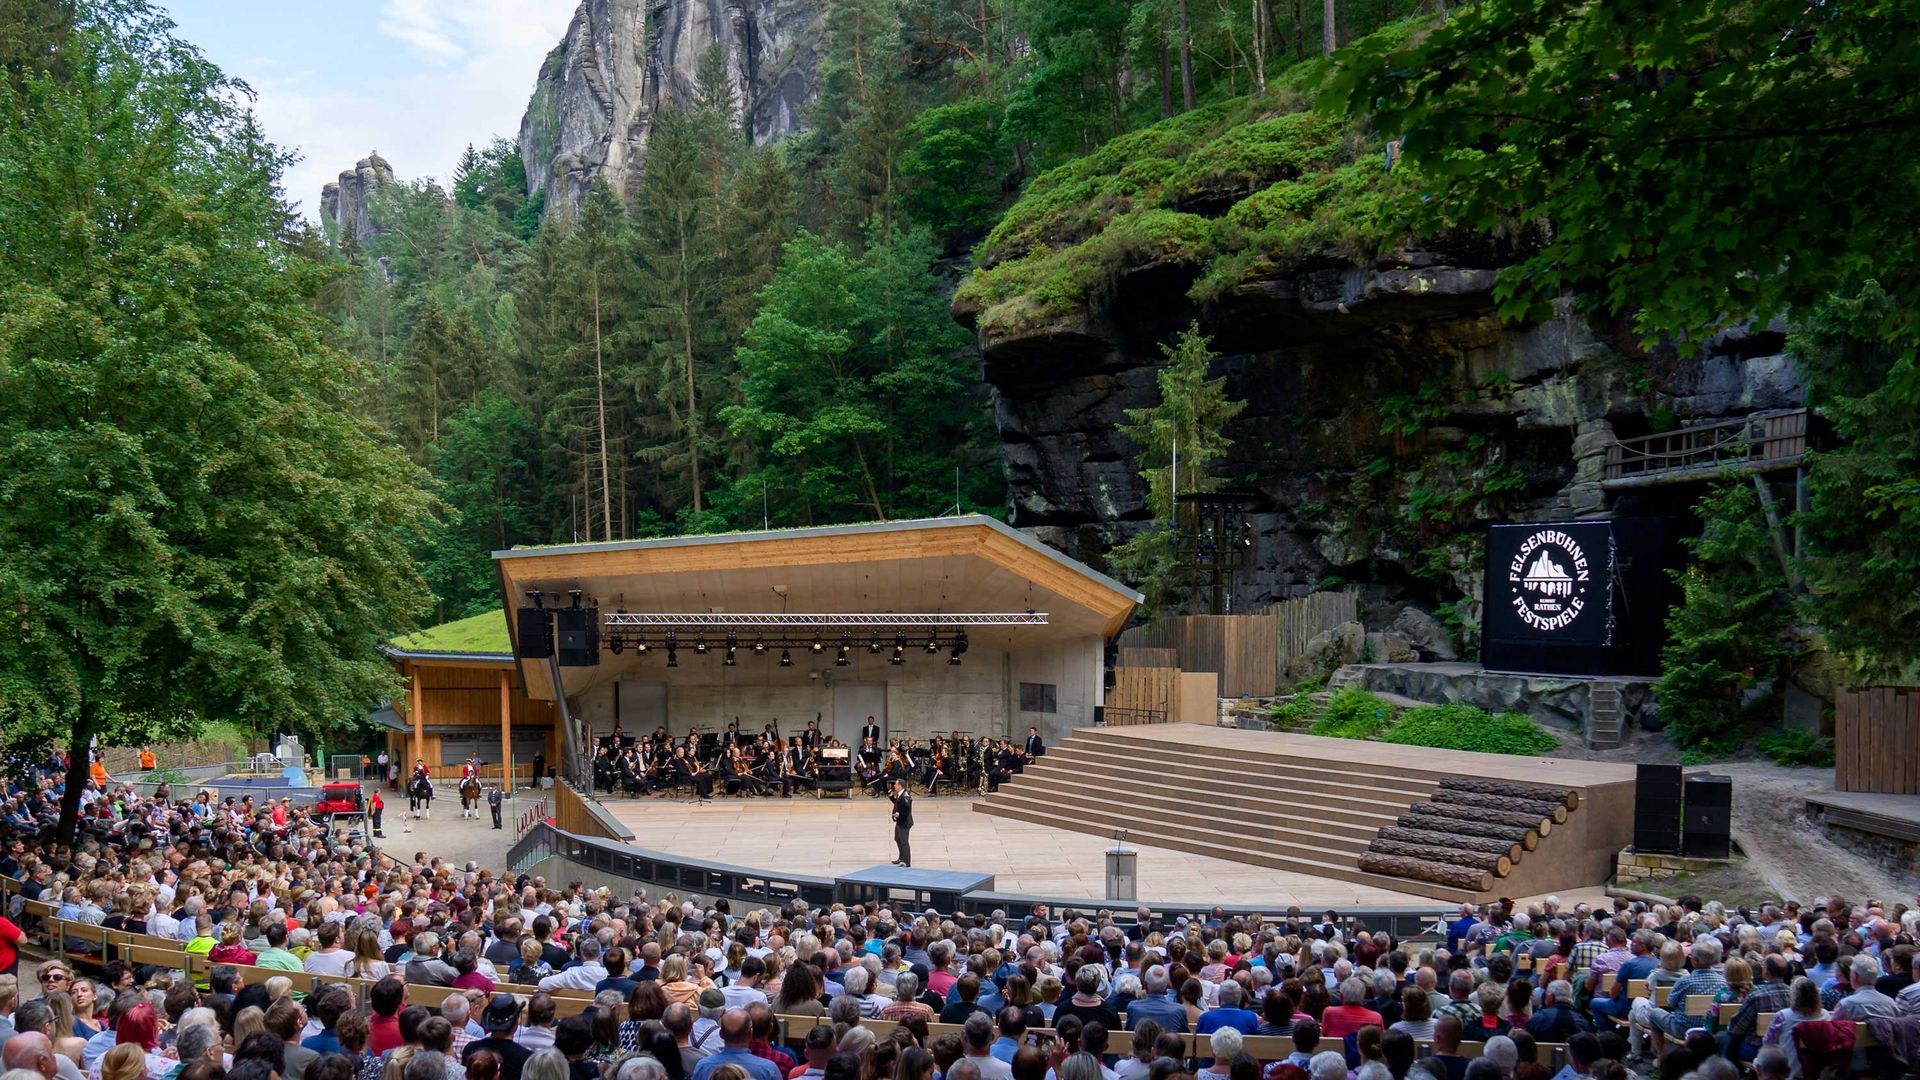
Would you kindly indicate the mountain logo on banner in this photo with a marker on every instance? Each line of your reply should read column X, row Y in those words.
column 1548, row 580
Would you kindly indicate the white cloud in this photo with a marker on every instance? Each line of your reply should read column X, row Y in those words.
column 476, row 66
column 422, row 24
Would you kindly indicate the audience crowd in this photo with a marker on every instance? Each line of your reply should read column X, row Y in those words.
column 684, row 990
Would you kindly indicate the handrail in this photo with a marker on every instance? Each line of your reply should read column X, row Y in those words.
column 660, row 870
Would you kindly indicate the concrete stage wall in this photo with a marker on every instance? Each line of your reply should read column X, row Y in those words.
column 925, row 696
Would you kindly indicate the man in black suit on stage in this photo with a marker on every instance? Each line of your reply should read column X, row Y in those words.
column 902, row 821
column 870, row 730
column 1035, row 747
column 811, row 738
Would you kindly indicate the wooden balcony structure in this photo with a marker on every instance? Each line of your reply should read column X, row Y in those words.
column 1760, row 442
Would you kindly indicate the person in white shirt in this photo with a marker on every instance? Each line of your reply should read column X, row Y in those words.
column 329, row 958
column 538, row 1034
column 746, row 990
column 582, row 976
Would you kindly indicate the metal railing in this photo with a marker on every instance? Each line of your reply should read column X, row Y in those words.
column 661, row 871
column 1763, row 440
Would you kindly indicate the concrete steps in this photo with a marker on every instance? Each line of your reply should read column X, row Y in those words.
column 1285, row 810
column 1200, row 834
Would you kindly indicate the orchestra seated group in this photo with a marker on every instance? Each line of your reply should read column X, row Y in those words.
column 734, row 762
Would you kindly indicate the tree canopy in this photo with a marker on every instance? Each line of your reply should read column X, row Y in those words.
column 195, row 520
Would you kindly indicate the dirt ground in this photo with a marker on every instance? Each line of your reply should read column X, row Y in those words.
column 1785, row 856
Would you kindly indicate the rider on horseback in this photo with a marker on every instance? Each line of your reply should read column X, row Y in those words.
column 470, row 788
column 420, row 789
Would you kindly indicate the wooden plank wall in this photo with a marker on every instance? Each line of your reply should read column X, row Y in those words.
column 1142, row 688
column 1251, row 653
column 1876, row 740
column 1300, row 620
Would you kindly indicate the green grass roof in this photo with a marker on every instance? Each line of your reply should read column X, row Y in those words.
column 483, row 634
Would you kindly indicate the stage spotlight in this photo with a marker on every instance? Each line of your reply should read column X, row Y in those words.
column 759, row 646
column 933, row 644
column 818, row 648
column 786, row 658
column 841, row 659
column 640, row 645
column 899, row 655
column 700, row 646
column 616, row 644
column 729, row 660
column 873, row 646
column 673, row 657
column 954, row 658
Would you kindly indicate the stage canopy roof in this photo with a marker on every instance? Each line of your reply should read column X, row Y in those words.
column 968, row 564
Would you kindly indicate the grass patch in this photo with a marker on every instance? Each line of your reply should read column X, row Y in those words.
column 484, row 633
column 1458, row 726
column 1352, row 713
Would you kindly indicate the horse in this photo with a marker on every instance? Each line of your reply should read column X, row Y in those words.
column 470, row 796
column 420, row 796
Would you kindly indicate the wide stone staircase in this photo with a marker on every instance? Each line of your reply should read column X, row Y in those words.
column 1286, row 809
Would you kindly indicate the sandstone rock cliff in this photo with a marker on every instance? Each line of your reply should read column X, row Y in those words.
column 1518, row 415
column 343, row 204
column 622, row 61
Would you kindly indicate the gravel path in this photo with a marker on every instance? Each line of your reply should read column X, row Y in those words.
column 1770, row 824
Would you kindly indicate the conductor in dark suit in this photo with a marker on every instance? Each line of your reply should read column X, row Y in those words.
column 870, row 730
column 902, row 821
column 1035, row 747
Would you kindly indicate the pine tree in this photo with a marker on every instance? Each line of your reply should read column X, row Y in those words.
column 1176, row 442
column 676, row 288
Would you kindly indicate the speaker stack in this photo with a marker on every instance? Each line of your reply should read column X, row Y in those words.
column 1656, row 809
column 578, row 636
column 1707, row 832
column 535, row 639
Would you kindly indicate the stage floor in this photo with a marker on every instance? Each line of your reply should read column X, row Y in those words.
column 836, row 836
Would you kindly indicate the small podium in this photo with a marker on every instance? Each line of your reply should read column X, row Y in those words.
column 1122, row 869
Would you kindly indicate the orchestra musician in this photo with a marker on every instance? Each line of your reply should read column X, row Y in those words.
column 811, row 738
column 797, row 768
column 688, row 770
column 935, row 768
column 868, row 763
column 1035, row 747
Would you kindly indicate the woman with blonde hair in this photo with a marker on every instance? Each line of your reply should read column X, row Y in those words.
column 247, row 1023
column 1673, row 965
column 368, row 962
column 64, row 1040
column 231, row 949
column 674, row 983
column 124, row 1062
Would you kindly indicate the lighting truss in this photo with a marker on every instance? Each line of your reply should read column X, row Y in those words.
column 833, row 619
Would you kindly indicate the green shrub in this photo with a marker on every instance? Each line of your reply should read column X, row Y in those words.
column 1352, row 713
column 1794, row 747
column 1458, row 726
column 1295, row 711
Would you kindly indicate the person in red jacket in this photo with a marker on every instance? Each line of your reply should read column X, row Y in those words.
column 9, row 947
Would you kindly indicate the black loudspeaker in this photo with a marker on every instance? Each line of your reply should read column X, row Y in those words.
column 1708, row 827
column 536, row 633
column 1099, row 715
column 1656, row 808
column 578, row 634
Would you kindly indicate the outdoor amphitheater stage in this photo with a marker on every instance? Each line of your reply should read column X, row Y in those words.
column 1218, row 815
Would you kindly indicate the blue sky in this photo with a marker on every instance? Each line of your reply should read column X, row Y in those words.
column 416, row 80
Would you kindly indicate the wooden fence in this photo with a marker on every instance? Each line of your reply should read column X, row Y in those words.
column 1251, row 653
column 1876, row 740
column 575, row 813
column 1142, row 695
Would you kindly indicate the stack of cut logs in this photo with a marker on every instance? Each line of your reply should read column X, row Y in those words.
column 1469, row 833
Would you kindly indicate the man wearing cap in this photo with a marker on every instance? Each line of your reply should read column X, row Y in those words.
column 499, row 1019
column 735, row 1035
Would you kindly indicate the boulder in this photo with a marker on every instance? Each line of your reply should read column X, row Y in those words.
column 1391, row 648
column 1337, row 647
column 1425, row 633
